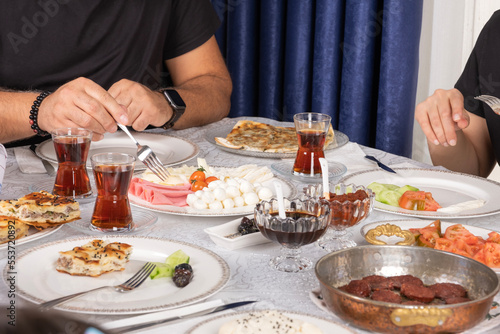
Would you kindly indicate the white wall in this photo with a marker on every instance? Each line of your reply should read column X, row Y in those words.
column 449, row 30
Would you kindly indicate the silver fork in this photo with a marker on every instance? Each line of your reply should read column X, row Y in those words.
column 148, row 157
column 492, row 101
column 132, row 283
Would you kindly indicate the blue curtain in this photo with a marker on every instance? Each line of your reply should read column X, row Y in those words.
column 355, row 60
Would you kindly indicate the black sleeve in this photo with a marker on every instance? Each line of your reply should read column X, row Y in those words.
column 481, row 73
column 192, row 23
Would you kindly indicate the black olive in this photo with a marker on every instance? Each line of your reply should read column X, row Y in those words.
column 247, row 226
column 186, row 266
column 182, row 277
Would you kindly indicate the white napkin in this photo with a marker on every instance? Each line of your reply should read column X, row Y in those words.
column 28, row 162
column 3, row 163
column 353, row 157
column 162, row 315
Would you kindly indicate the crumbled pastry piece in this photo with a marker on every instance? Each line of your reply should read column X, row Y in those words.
column 11, row 228
column 268, row 322
column 94, row 258
column 39, row 208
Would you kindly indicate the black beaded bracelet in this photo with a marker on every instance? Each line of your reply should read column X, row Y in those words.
column 34, row 114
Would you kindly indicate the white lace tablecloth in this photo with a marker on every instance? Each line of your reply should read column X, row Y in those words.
column 251, row 276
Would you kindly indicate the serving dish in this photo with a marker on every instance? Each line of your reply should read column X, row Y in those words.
column 339, row 268
column 447, row 188
column 219, row 234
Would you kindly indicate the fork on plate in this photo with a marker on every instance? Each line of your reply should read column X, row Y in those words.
column 492, row 101
column 148, row 157
column 132, row 283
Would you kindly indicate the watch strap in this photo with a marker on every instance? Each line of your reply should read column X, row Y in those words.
column 177, row 110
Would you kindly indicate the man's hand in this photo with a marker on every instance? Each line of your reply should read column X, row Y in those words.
column 81, row 103
column 144, row 106
column 441, row 115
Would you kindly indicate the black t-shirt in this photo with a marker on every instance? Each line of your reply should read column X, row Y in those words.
column 482, row 76
column 47, row 43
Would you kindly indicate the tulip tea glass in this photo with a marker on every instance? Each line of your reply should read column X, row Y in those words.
column 113, row 173
column 306, row 221
column 311, row 131
column 349, row 205
column 72, row 148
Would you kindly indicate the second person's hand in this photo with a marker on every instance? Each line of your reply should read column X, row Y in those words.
column 441, row 115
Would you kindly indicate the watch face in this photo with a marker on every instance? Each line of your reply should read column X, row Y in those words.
column 175, row 98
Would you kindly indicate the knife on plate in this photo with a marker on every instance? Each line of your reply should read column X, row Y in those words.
column 131, row 328
column 381, row 165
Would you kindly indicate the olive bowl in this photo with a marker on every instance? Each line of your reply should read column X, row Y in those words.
column 431, row 266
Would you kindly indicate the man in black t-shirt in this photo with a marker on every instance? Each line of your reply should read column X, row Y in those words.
column 462, row 133
column 104, row 61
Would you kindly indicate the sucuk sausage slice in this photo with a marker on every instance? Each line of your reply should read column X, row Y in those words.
column 448, row 290
column 386, row 296
column 417, row 292
column 378, row 282
column 358, row 287
column 397, row 281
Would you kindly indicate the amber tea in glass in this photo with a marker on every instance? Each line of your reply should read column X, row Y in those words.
column 113, row 173
column 72, row 148
column 311, row 133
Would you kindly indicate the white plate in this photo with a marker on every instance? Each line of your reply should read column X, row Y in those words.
column 212, row 326
column 38, row 281
column 447, row 188
column 288, row 191
column 170, row 150
column 222, row 131
column 33, row 234
column 219, row 234
column 407, row 224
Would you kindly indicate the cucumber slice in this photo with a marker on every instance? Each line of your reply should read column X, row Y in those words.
column 377, row 188
column 162, row 270
column 389, row 197
column 176, row 258
column 406, row 188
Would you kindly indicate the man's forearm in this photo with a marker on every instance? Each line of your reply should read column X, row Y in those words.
column 14, row 115
column 207, row 98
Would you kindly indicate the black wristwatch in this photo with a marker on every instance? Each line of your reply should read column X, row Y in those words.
column 177, row 104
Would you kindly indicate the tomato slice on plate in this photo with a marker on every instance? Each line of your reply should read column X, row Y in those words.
column 493, row 237
column 430, row 204
column 412, row 200
column 454, row 246
column 457, row 231
column 492, row 254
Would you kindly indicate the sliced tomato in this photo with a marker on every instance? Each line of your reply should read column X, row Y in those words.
column 493, row 237
column 430, row 203
column 457, row 231
column 492, row 254
column 479, row 256
column 454, row 246
column 412, row 200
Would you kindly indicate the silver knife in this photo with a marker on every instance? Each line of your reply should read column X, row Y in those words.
column 131, row 328
column 381, row 165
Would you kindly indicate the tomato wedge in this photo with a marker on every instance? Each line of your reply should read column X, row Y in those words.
column 430, row 204
column 454, row 246
column 492, row 254
column 457, row 231
column 493, row 237
column 412, row 200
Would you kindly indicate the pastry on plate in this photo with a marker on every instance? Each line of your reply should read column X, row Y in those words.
column 41, row 209
column 11, row 229
column 94, row 258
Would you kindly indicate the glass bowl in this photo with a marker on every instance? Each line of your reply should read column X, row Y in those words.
column 349, row 205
